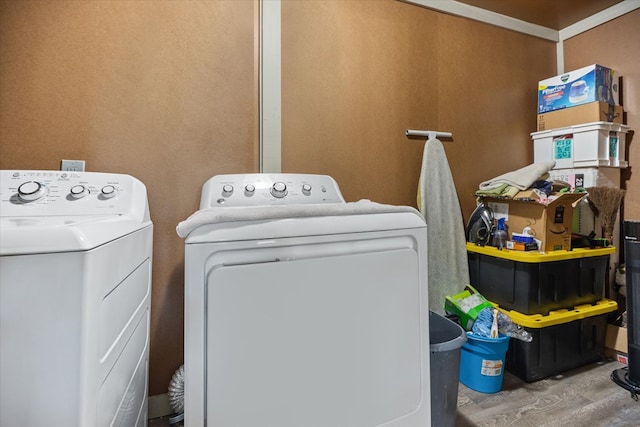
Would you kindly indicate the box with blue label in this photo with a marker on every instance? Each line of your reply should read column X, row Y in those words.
column 587, row 145
column 582, row 86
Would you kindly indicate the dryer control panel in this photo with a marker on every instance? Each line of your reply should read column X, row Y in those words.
column 269, row 189
column 53, row 193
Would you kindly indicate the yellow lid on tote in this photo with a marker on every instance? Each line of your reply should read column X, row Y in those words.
column 535, row 256
column 559, row 317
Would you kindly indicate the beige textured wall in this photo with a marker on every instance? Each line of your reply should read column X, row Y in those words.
column 164, row 91
column 357, row 74
column 616, row 44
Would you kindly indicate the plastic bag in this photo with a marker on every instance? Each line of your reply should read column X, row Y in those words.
column 484, row 321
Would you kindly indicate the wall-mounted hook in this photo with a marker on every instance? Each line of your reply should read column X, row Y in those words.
column 429, row 134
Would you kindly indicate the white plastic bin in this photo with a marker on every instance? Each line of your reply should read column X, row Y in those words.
column 585, row 145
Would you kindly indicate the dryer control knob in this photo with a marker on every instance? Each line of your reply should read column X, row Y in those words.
column 306, row 189
column 279, row 190
column 227, row 190
column 108, row 191
column 249, row 190
column 78, row 191
column 31, row 191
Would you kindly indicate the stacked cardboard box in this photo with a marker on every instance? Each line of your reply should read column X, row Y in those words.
column 580, row 120
column 558, row 294
column 580, row 126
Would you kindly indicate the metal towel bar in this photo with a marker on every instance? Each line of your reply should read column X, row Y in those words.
column 429, row 134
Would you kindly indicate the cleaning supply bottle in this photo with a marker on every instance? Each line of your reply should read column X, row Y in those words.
column 500, row 235
column 494, row 325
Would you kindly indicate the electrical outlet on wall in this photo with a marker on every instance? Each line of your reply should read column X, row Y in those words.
column 72, row 165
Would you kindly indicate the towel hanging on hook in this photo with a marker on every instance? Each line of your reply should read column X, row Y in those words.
column 437, row 199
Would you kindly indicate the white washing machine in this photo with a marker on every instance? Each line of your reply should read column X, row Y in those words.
column 302, row 310
column 75, row 282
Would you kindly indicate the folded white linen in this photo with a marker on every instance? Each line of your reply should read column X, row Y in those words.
column 255, row 213
column 520, row 178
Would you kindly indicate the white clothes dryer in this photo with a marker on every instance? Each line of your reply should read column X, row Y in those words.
column 75, row 282
column 303, row 310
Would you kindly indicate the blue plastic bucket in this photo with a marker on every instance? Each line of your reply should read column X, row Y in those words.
column 482, row 362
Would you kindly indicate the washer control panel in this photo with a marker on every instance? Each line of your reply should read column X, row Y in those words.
column 269, row 189
column 50, row 193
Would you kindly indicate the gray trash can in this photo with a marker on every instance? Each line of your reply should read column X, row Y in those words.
column 446, row 338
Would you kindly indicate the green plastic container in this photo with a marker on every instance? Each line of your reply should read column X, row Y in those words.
column 466, row 305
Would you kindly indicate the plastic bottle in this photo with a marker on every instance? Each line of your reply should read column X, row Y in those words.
column 494, row 325
column 500, row 235
column 483, row 325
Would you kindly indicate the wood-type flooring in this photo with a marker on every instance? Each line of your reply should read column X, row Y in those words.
column 582, row 397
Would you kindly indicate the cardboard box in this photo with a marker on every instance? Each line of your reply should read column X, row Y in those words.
column 587, row 84
column 584, row 220
column 585, row 113
column 617, row 343
column 587, row 177
column 527, row 195
column 550, row 223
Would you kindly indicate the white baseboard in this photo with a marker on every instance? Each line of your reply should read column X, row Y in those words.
column 159, row 406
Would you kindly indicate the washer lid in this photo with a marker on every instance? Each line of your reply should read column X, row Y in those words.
column 31, row 235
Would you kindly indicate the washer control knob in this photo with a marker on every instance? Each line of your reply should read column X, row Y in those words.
column 108, row 191
column 306, row 189
column 78, row 191
column 249, row 190
column 31, row 191
column 227, row 190
column 279, row 190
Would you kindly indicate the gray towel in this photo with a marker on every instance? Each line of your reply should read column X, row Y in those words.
column 521, row 178
column 446, row 246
